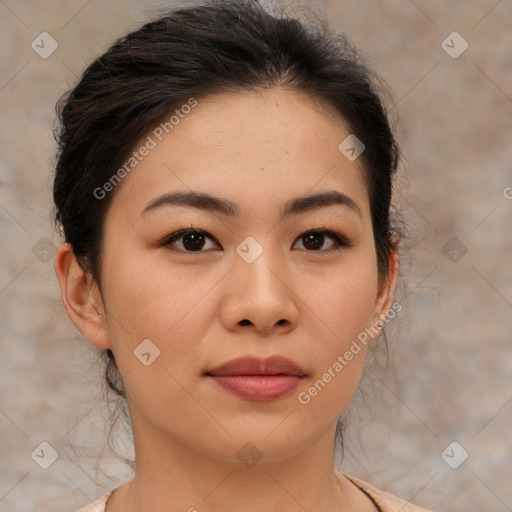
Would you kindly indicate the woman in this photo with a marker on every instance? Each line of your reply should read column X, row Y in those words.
column 223, row 184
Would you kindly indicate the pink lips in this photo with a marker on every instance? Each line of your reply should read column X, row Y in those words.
column 258, row 380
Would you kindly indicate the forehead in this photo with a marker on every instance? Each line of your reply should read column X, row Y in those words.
column 254, row 148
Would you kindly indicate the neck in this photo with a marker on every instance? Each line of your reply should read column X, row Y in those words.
column 171, row 475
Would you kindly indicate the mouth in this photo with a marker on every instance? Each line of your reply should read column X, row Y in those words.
column 258, row 380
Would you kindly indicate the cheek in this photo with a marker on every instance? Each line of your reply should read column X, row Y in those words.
column 340, row 311
column 167, row 307
column 172, row 310
column 343, row 302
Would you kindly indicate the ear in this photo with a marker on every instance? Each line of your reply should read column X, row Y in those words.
column 386, row 292
column 81, row 297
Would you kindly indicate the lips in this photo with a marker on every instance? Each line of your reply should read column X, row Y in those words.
column 275, row 365
column 258, row 380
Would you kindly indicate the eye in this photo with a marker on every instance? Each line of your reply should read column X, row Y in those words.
column 313, row 240
column 195, row 240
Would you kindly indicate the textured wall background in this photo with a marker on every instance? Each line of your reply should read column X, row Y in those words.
column 452, row 345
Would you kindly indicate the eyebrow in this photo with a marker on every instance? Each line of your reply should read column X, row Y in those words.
column 209, row 203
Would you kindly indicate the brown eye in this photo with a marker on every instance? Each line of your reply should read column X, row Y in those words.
column 192, row 240
column 314, row 240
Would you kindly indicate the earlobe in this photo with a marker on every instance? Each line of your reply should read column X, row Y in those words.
column 81, row 297
column 384, row 304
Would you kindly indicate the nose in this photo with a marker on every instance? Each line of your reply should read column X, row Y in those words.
column 260, row 297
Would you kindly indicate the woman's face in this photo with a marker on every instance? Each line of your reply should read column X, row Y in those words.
column 252, row 282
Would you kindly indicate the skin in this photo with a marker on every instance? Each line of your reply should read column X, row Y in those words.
column 258, row 150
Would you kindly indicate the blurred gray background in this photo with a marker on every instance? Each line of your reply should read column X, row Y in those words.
column 449, row 395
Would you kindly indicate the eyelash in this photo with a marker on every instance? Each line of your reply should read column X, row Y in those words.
column 339, row 240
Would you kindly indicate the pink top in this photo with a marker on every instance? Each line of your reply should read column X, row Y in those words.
column 384, row 501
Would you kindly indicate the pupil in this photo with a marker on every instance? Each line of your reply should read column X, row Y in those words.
column 196, row 241
column 311, row 238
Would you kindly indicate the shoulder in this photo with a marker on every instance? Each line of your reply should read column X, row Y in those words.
column 386, row 501
column 98, row 505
